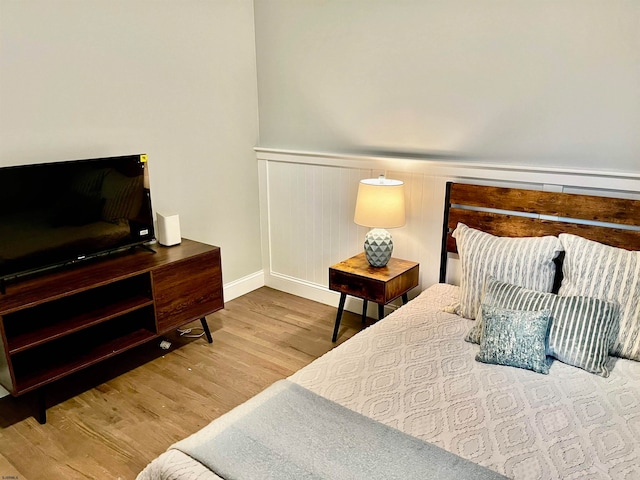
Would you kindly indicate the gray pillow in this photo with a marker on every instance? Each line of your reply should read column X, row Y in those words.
column 524, row 261
column 515, row 337
column 596, row 270
column 582, row 328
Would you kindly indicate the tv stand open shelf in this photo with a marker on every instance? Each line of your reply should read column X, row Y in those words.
column 64, row 321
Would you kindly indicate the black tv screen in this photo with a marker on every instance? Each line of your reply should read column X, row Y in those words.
column 55, row 214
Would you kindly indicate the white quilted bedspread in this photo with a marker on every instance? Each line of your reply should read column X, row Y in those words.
column 413, row 371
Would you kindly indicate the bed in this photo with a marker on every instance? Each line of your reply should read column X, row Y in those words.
column 528, row 370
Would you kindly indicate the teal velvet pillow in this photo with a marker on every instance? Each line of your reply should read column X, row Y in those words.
column 582, row 329
column 517, row 338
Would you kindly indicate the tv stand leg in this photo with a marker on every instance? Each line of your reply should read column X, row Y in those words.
column 42, row 406
column 205, row 327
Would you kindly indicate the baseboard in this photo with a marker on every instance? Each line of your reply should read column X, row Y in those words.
column 321, row 294
column 243, row 285
column 301, row 288
column 295, row 286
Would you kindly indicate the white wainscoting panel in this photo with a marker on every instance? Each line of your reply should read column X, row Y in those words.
column 309, row 222
column 308, row 199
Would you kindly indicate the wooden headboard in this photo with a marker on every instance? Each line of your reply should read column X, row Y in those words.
column 514, row 212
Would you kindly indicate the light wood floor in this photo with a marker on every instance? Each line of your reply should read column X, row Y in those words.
column 111, row 420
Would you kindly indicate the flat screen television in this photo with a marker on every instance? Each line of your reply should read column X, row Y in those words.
column 60, row 213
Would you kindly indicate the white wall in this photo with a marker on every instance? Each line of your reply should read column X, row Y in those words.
column 177, row 80
column 553, row 83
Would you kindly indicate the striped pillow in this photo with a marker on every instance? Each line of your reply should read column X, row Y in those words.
column 596, row 270
column 526, row 261
column 582, row 328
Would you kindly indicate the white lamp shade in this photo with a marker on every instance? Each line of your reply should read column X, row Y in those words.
column 380, row 203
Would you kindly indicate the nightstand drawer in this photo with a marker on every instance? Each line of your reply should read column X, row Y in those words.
column 357, row 286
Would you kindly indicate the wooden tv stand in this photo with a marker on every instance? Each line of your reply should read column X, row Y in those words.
column 55, row 324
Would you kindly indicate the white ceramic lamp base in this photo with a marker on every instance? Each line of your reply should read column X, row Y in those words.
column 378, row 247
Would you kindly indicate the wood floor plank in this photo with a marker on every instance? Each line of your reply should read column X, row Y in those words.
column 111, row 420
column 8, row 470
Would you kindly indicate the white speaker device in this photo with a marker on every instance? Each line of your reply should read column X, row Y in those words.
column 168, row 229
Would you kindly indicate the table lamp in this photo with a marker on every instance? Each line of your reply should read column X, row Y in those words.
column 380, row 205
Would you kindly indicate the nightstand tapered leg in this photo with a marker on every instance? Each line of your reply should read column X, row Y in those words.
column 364, row 311
column 343, row 297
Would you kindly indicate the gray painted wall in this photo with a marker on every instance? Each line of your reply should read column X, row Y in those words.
column 550, row 83
column 177, row 80
column 520, row 81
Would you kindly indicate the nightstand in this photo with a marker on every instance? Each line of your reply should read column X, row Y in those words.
column 381, row 285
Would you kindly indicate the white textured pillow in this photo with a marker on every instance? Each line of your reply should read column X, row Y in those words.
column 596, row 270
column 525, row 261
